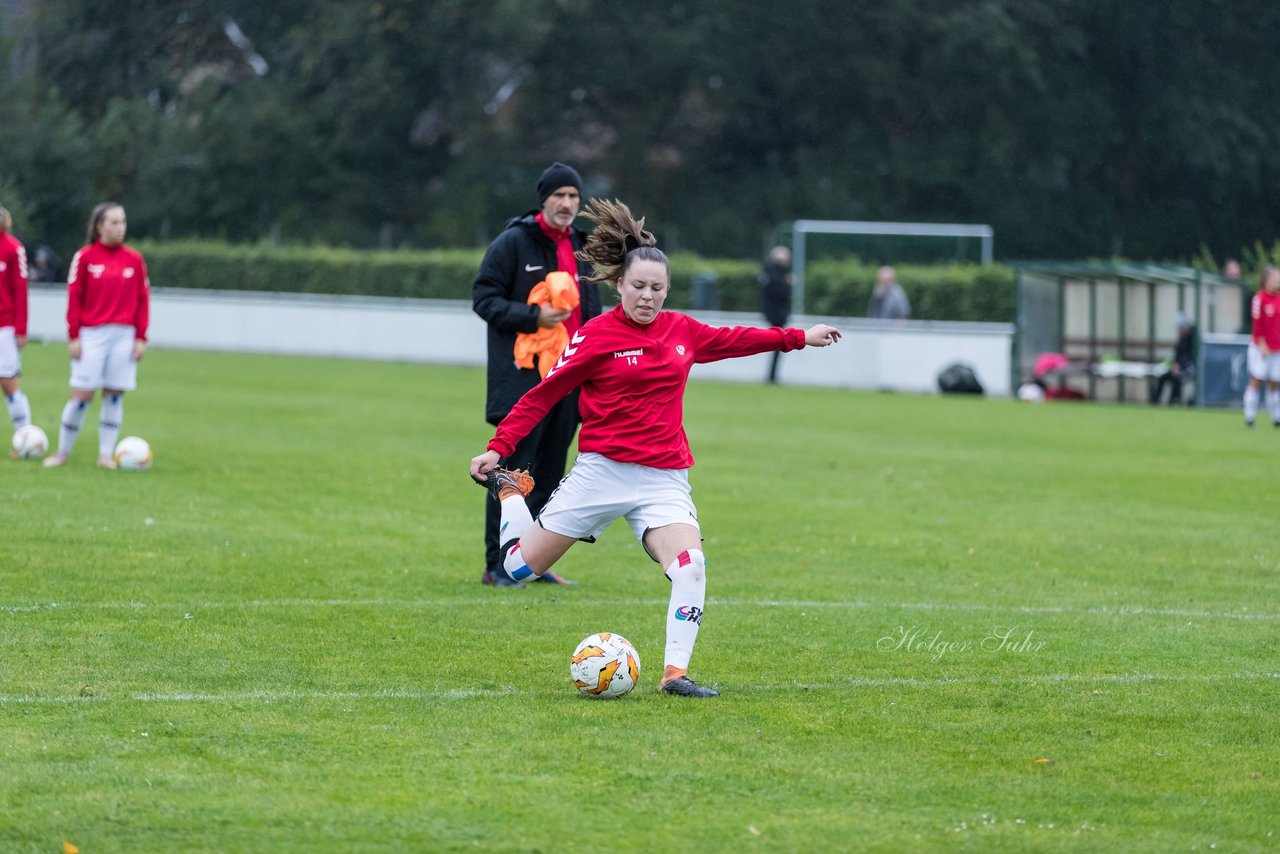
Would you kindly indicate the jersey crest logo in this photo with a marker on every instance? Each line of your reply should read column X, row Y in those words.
column 577, row 339
column 680, row 349
column 128, row 272
column 3, row 266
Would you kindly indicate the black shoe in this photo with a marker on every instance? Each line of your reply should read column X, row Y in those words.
column 683, row 686
column 500, row 479
column 1248, row 424
column 499, row 579
column 550, row 577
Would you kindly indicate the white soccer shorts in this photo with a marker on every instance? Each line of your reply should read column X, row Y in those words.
column 598, row 491
column 106, row 359
column 1263, row 367
column 10, row 355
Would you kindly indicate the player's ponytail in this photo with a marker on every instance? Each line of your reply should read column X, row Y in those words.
column 6, row 221
column 617, row 241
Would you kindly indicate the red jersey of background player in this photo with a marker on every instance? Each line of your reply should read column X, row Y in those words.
column 632, row 421
column 108, row 284
column 13, row 284
column 1265, row 310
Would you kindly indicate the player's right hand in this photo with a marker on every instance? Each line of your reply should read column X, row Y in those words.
column 483, row 464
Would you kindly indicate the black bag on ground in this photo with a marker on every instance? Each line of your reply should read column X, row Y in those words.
column 959, row 378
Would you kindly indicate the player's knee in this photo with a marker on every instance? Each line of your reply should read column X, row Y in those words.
column 691, row 564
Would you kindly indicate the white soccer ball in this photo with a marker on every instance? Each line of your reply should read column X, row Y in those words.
column 605, row 666
column 133, row 454
column 30, row 442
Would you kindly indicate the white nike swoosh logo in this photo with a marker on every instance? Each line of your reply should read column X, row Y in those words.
column 529, row 269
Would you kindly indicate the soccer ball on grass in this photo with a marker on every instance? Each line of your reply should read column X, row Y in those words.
column 30, row 443
column 605, row 666
column 133, row 454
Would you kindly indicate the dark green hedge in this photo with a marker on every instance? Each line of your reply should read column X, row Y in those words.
column 833, row 288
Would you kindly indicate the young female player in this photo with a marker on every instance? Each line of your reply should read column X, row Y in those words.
column 13, row 320
column 108, row 307
column 632, row 364
column 1264, row 347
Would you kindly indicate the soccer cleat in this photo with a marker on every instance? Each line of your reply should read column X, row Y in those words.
column 550, row 577
column 683, row 686
column 107, row 463
column 504, row 483
column 1247, row 422
column 499, row 579
column 55, row 460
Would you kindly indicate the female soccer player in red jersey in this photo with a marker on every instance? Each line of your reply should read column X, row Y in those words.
column 13, row 320
column 1264, row 347
column 632, row 364
column 108, row 307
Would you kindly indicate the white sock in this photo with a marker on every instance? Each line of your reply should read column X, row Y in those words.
column 516, row 519
column 19, row 410
column 1273, row 404
column 1251, row 395
column 688, row 574
column 109, row 423
column 72, row 420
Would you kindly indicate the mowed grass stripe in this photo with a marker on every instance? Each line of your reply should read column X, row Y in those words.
column 488, row 601
column 271, row 696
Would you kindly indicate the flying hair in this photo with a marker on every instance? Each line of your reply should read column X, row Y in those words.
column 618, row 239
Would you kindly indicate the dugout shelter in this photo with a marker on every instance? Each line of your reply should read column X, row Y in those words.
column 1116, row 324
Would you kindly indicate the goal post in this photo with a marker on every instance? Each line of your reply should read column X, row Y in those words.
column 802, row 228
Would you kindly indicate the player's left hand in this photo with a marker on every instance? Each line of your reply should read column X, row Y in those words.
column 20, row 340
column 139, row 347
column 821, row 335
column 483, row 464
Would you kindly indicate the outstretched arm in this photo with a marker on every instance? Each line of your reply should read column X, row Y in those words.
column 821, row 335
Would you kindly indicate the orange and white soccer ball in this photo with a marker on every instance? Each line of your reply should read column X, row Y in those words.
column 30, row 443
column 133, row 454
column 605, row 666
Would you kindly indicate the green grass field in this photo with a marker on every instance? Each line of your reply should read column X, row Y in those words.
column 937, row 624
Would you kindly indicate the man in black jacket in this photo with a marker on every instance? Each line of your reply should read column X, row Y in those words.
column 775, row 296
column 529, row 247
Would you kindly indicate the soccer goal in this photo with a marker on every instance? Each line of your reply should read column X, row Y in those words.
column 887, row 242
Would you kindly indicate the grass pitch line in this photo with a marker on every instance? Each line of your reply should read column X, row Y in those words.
column 268, row 697
column 498, row 600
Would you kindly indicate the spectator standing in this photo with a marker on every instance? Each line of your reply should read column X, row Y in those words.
column 13, row 320
column 529, row 247
column 47, row 266
column 888, row 299
column 775, row 297
column 108, row 310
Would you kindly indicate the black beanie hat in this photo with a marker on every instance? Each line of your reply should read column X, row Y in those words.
column 554, row 177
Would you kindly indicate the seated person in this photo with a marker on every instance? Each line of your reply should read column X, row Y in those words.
column 1182, row 366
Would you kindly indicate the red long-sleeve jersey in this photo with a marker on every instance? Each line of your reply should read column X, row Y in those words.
column 1265, row 310
column 108, row 284
column 633, row 378
column 13, row 284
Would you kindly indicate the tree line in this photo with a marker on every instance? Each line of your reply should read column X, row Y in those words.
column 1077, row 128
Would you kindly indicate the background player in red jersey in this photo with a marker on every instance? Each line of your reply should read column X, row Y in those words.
column 632, row 364
column 13, row 320
column 108, row 308
column 1264, row 347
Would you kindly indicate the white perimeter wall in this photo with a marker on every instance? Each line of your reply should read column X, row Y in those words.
column 906, row 357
